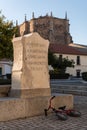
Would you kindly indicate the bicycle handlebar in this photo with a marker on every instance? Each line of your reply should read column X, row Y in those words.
column 52, row 97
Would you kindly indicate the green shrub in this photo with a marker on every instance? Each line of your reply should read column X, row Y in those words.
column 5, row 81
column 84, row 76
column 56, row 75
column 8, row 76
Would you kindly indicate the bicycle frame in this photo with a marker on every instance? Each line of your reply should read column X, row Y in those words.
column 50, row 107
column 59, row 113
column 70, row 112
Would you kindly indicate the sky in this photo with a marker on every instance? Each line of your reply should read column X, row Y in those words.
column 76, row 13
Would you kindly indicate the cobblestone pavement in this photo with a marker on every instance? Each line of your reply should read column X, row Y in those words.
column 51, row 122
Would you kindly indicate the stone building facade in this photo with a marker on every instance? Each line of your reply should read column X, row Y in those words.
column 56, row 30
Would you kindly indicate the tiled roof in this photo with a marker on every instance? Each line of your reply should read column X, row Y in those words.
column 65, row 49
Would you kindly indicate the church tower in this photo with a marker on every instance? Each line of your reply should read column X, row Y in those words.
column 56, row 30
column 32, row 23
column 51, row 33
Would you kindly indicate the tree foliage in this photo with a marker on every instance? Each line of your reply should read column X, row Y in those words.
column 58, row 63
column 51, row 58
column 7, row 30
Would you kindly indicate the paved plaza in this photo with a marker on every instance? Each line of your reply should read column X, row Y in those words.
column 51, row 122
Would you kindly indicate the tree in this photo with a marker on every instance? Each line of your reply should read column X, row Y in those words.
column 62, row 63
column 7, row 30
column 58, row 63
column 52, row 59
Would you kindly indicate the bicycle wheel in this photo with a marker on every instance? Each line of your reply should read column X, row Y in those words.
column 74, row 113
column 62, row 116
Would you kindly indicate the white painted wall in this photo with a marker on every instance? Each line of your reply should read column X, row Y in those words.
column 6, row 67
column 82, row 66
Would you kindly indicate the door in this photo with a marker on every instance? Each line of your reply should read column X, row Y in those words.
column 78, row 73
column 0, row 71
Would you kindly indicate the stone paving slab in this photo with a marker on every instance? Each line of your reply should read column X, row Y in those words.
column 51, row 122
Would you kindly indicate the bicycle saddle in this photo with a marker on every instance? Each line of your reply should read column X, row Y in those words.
column 62, row 108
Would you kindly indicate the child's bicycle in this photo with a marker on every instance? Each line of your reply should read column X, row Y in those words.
column 59, row 113
column 70, row 112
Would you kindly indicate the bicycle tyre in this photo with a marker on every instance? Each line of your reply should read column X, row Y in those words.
column 62, row 116
column 74, row 113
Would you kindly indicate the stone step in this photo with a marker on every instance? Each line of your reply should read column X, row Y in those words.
column 15, row 108
column 66, row 91
column 70, row 87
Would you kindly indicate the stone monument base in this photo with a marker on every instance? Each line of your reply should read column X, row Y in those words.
column 14, row 108
column 29, row 93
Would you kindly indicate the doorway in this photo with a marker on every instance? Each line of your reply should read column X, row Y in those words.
column 78, row 73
